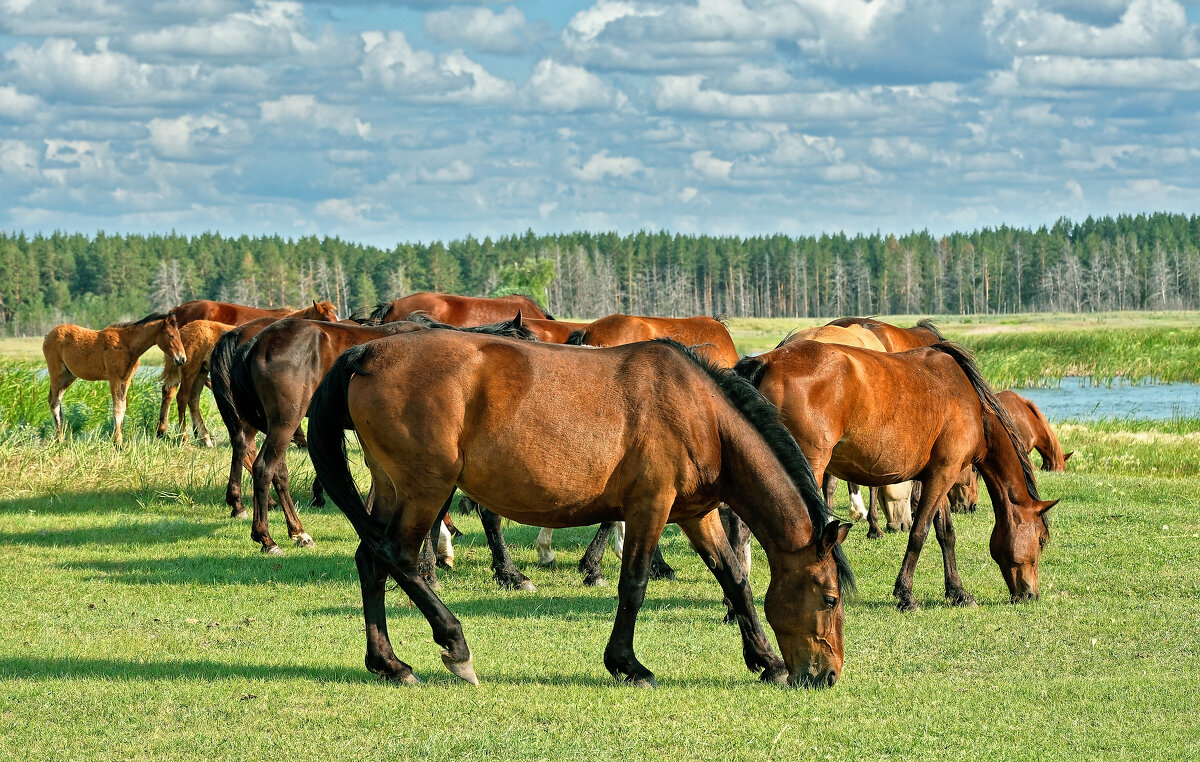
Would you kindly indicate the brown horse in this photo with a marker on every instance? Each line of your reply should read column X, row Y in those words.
column 460, row 311
column 895, row 338
column 552, row 331
column 964, row 493
column 111, row 354
column 237, row 314
column 551, row 436
column 925, row 414
column 1035, row 431
column 198, row 337
column 706, row 335
column 273, row 378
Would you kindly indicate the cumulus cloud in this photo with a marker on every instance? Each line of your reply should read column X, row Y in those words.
column 456, row 171
column 17, row 106
column 59, row 68
column 178, row 138
column 480, row 28
column 601, row 165
column 1154, row 28
column 306, row 112
column 270, row 29
column 399, row 69
column 711, row 167
column 562, row 87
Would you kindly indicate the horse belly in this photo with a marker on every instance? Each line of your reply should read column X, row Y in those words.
column 873, row 465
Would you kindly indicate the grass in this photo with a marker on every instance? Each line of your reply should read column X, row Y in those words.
column 140, row 622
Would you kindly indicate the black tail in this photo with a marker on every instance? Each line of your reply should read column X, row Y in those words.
column 328, row 418
column 928, row 325
column 364, row 316
column 751, row 369
column 991, row 403
column 577, row 338
column 219, row 364
column 378, row 312
column 245, row 396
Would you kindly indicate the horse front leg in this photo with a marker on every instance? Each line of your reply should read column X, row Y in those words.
column 381, row 659
column 738, row 536
column 241, row 439
column 874, row 533
column 58, row 385
column 943, row 527
column 195, row 389
column 590, row 564
column 642, row 530
column 710, row 541
column 119, row 390
column 933, row 492
column 504, row 570
column 164, row 412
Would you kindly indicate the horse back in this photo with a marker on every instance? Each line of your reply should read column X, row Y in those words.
column 463, row 311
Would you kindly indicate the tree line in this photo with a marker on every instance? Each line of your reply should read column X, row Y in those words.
column 1128, row 262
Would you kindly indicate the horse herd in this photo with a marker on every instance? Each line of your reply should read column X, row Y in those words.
column 640, row 420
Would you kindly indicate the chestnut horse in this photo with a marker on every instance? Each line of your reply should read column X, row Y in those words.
column 546, row 435
column 237, row 314
column 111, row 354
column 1035, row 431
column 241, row 434
column 925, row 414
column 273, row 378
column 552, row 331
column 460, row 311
column 198, row 337
column 895, row 338
column 709, row 337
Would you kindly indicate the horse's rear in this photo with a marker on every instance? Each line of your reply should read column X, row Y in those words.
column 707, row 336
column 893, row 337
column 461, row 311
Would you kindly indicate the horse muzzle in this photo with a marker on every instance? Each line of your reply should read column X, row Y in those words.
column 824, row 679
column 180, row 359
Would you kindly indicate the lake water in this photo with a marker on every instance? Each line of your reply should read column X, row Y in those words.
column 1076, row 398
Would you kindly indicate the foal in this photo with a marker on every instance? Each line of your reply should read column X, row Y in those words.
column 199, row 337
column 111, row 355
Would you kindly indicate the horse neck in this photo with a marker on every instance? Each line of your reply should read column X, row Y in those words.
column 759, row 489
column 1002, row 472
column 1049, row 447
column 140, row 337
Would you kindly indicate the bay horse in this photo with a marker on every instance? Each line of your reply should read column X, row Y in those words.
column 552, row 331
column 1035, row 431
column 237, row 314
column 706, row 335
column 241, row 434
column 542, row 434
column 963, row 496
column 274, row 375
column 459, row 311
column 895, row 338
column 111, row 354
column 926, row 414
column 198, row 337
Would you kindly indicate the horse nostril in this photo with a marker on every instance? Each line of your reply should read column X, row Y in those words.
column 830, row 679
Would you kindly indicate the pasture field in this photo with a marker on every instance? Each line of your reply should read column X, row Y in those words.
column 140, row 622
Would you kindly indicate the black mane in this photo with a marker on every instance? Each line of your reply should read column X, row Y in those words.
column 764, row 417
column 513, row 328
column 928, row 325
column 148, row 319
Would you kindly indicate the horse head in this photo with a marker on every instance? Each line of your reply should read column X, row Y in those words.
column 804, row 607
column 170, row 341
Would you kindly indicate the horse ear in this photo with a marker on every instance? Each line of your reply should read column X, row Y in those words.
column 1045, row 505
column 517, row 320
column 315, row 302
column 834, row 533
column 1068, row 455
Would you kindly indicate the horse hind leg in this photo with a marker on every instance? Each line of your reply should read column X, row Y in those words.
column 120, row 390
column 545, row 549
column 198, row 427
column 858, row 508
column 943, row 527
column 164, row 412
column 241, row 439
column 642, row 530
column 874, row 532
column 59, row 382
column 381, row 659
column 932, row 494
column 589, row 565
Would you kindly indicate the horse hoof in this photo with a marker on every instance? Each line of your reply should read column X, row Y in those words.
column 596, row 581
column 907, row 606
column 461, row 669
column 445, row 563
column 242, row 514
column 667, row 574
column 304, row 541
column 774, row 675
column 526, row 587
column 402, row 678
column 960, row 598
column 641, row 682
column 874, row 534
column 208, row 443
column 272, row 550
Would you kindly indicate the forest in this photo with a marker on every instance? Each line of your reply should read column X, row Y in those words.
column 1128, row 262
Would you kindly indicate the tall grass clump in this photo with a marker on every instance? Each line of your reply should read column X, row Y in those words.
column 1041, row 358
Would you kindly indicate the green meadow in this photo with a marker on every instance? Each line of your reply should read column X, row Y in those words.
column 140, row 622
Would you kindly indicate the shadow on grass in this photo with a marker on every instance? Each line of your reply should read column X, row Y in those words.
column 296, row 567
column 32, row 668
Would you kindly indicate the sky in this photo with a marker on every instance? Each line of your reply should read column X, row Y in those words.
column 414, row 120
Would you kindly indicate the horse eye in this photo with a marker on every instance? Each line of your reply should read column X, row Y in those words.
column 831, row 601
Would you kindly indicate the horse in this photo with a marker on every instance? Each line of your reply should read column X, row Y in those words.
column 237, row 314
column 552, row 331
column 241, row 434
column 895, row 338
column 1035, row 431
column 189, row 379
column 924, row 414
column 459, row 311
column 547, row 435
column 706, row 335
column 963, row 496
column 111, row 354
column 273, row 377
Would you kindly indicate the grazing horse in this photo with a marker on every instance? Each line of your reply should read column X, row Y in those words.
column 707, row 336
column 237, row 314
column 895, row 338
column 111, row 354
column 925, row 414
column 1035, row 431
column 552, row 331
column 273, row 378
column 963, row 496
column 241, row 434
column 198, row 337
column 459, row 311
column 545, row 435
